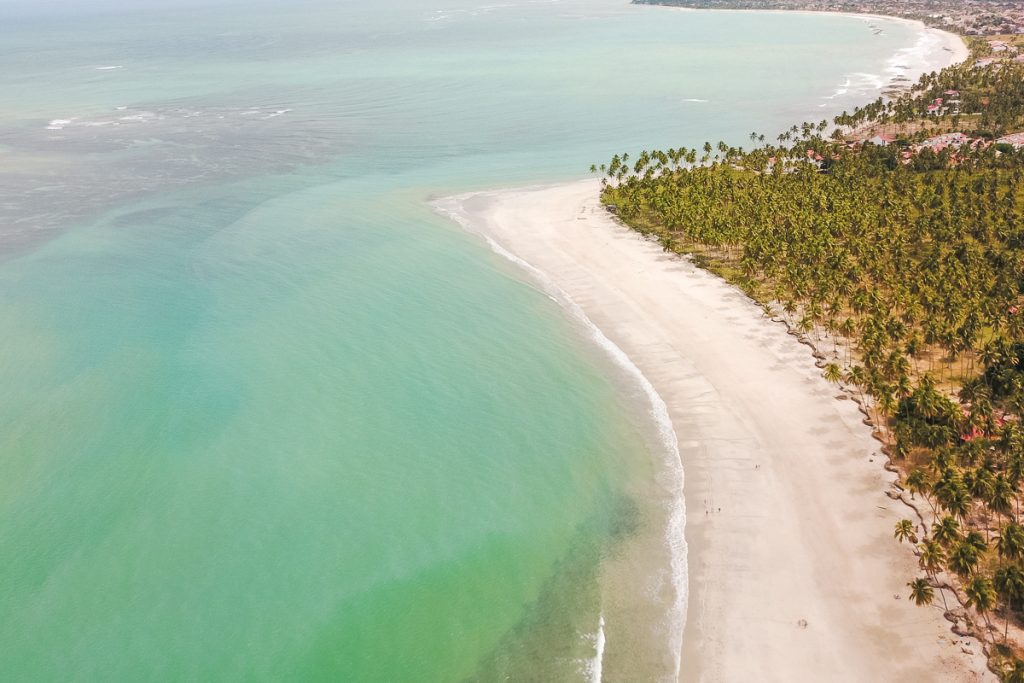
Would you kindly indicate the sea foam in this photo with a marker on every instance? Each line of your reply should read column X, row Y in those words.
column 671, row 477
column 594, row 668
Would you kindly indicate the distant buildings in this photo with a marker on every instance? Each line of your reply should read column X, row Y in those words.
column 940, row 105
column 967, row 17
column 1015, row 139
column 941, row 142
column 881, row 140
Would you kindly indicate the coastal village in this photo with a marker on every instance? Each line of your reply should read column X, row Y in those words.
column 945, row 123
column 940, row 125
column 944, row 141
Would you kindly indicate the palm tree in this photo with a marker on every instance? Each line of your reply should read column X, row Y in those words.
column 858, row 378
column 833, row 374
column 1015, row 674
column 982, row 484
column 921, row 592
column 981, row 595
column 1010, row 543
column 918, row 483
column 1001, row 499
column 946, row 531
column 976, row 541
column 958, row 501
column 932, row 559
column 1009, row 584
column 905, row 531
column 964, row 559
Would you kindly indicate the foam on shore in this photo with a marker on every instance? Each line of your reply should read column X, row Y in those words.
column 933, row 50
column 775, row 467
column 671, row 476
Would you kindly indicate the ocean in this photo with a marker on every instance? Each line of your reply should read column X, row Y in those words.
column 265, row 415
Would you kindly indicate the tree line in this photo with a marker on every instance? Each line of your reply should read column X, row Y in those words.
column 905, row 270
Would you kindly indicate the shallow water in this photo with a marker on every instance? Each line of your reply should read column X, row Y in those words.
column 266, row 415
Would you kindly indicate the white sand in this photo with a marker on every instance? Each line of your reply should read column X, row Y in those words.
column 953, row 45
column 955, row 49
column 787, row 518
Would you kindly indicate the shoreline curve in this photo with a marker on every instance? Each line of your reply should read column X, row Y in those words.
column 791, row 566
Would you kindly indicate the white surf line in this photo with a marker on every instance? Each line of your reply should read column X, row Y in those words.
column 675, row 529
column 599, row 641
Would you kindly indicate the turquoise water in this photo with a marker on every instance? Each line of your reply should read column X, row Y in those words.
column 265, row 416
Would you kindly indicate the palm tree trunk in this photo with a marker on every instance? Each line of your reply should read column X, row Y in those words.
column 942, row 593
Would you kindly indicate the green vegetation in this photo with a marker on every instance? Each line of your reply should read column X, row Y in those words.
column 903, row 265
column 988, row 102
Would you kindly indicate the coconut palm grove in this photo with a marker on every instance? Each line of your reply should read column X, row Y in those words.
column 892, row 242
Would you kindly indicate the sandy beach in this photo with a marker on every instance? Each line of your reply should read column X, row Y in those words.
column 793, row 571
column 953, row 48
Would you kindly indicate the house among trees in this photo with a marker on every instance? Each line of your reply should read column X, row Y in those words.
column 941, row 142
column 1015, row 139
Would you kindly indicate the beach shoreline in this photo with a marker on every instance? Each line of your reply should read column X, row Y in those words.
column 836, row 612
column 791, row 565
column 953, row 45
